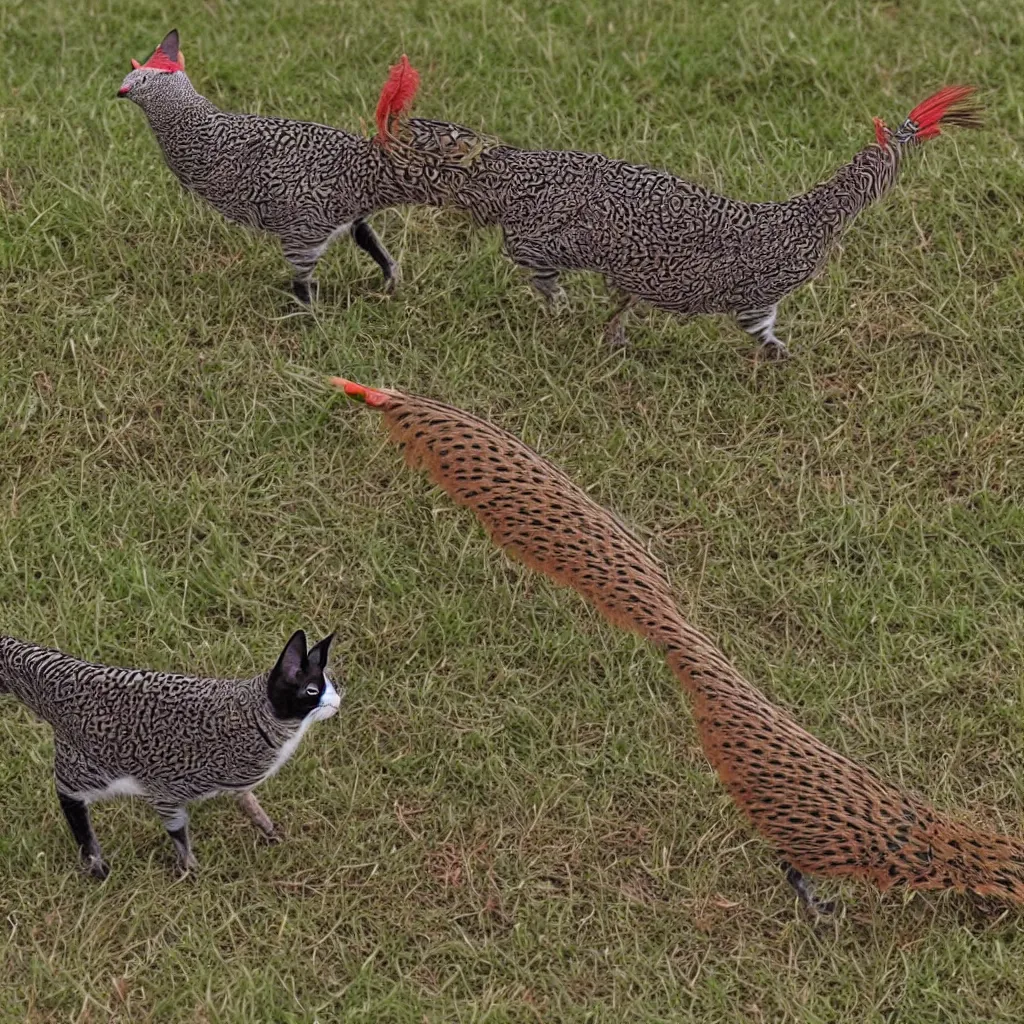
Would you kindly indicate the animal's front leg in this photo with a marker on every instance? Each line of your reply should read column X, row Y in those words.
column 76, row 812
column 545, row 281
column 303, row 262
column 175, row 819
column 259, row 817
column 366, row 238
column 805, row 891
column 760, row 324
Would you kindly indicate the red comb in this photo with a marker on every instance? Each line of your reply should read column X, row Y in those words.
column 397, row 94
column 880, row 133
column 161, row 62
column 370, row 396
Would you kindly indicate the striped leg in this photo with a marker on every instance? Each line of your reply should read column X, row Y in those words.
column 760, row 324
column 545, row 281
column 366, row 238
column 303, row 262
column 175, row 819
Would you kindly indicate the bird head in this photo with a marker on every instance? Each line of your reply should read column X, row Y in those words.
column 161, row 74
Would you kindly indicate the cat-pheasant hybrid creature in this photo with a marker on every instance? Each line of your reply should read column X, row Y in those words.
column 823, row 813
column 656, row 238
column 306, row 183
column 167, row 738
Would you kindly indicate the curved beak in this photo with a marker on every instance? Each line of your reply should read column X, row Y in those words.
column 124, row 90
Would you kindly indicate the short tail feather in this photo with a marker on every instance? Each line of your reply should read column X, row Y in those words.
column 824, row 813
column 396, row 96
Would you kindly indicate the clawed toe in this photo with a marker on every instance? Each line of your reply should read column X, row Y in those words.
column 187, row 865
column 392, row 280
column 96, row 867
column 773, row 351
column 805, row 891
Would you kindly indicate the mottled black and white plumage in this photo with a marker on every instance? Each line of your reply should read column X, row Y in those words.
column 306, row 183
column 656, row 238
column 170, row 739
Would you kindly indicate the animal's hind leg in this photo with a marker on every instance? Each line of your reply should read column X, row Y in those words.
column 259, row 817
column 175, row 819
column 366, row 238
column 760, row 324
column 615, row 329
column 805, row 891
column 76, row 813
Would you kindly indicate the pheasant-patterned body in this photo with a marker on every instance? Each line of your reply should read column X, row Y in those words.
column 824, row 813
column 655, row 237
column 306, row 183
column 171, row 739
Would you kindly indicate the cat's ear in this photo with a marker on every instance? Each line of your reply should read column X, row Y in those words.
column 293, row 660
column 318, row 654
column 170, row 45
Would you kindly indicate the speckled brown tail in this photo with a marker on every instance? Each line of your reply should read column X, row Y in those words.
column 826, row 815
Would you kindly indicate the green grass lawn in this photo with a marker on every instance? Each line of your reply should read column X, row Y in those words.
column 511, row 819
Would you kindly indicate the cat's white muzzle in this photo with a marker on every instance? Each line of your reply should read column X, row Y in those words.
column 330, row 701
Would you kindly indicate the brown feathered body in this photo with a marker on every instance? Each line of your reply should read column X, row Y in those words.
column 825, row 814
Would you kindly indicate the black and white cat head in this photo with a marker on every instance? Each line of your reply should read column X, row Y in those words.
column 299, row 686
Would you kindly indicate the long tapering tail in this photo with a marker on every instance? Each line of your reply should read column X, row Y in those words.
column 824, row 813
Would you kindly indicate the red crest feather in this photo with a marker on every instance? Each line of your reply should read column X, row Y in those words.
column 951, row 105
column 397, row 94
column 161, row 62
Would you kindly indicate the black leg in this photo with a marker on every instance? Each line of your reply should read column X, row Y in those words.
column 805, row 891
column 366, row 238
column 77, row 814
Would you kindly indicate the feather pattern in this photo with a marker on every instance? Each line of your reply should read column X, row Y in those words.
column 824, row 813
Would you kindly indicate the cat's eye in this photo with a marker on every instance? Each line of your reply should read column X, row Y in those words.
column 312, row 690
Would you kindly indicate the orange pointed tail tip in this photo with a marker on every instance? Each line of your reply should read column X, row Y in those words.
column 952, row 105
column 396, row 96
column 361, row 393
